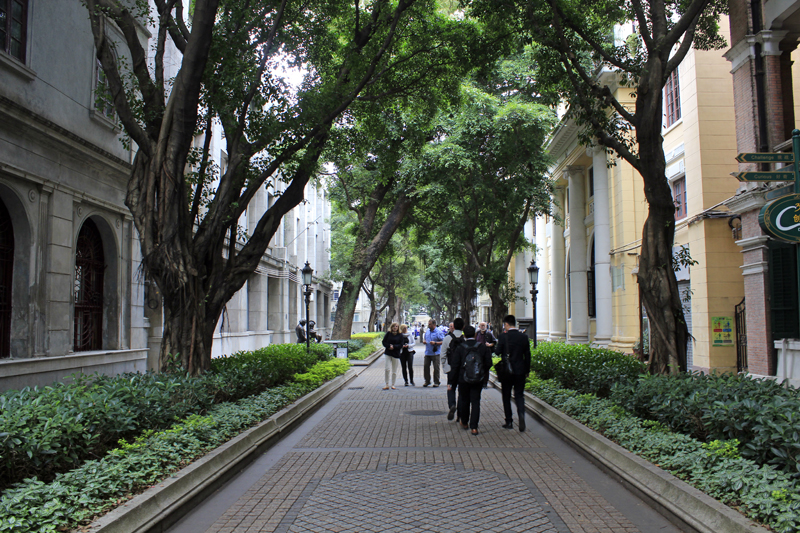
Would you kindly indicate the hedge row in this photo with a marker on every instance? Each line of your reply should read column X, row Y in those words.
column 373, row 344
column 48, row 430
column 584, row 368
column 761, row 414
column 762, row 492
column 76, row 497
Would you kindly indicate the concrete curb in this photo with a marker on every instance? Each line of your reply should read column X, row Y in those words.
column 369, row 359
column 162, row 505
column 678, row 501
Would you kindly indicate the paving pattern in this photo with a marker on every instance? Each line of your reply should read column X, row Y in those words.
column 390, row 461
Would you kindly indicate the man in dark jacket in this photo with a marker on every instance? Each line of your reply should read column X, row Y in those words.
column 513, row 346
column 470, row 384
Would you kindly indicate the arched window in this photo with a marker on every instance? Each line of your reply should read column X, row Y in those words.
column 6, row 274
column 89, row 267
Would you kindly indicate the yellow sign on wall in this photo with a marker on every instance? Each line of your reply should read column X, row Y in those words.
column 722, row 331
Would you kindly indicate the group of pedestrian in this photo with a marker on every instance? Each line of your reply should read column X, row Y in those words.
column 464, row 354
column 399, row 344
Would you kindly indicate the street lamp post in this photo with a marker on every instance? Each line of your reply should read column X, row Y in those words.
column 308, row 273
column 533, row 277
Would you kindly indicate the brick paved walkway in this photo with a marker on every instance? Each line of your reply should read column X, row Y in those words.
column 375, row 460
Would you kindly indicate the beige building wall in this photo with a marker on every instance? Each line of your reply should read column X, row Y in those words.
column 701, row 148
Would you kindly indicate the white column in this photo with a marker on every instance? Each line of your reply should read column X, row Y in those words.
column 543, row 298
column 558, row 289
column 602, row 247
column 578, row 289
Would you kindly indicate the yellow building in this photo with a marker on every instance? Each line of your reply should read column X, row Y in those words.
column 588, row 290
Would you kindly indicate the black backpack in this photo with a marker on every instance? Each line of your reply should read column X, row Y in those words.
column 472, row 371
column 454, row 343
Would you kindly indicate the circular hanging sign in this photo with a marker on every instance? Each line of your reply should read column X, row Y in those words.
column 781, row 218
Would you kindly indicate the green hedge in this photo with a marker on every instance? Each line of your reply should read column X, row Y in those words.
column 77, row 496
column 374, row 344
column 761, row 414
column 583, row 368
column 762, row 492
column 48, row 430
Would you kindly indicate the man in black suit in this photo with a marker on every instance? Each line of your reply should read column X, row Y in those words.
column 513, row 346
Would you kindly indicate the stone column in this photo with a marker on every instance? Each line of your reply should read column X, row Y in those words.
column 542, row 260
column 558, row 289
column 578, row 289
column 602, row 247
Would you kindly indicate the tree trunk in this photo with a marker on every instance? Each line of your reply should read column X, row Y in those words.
column 499, row 308
column 367, row 250
column 187, row 337
column 657, row 282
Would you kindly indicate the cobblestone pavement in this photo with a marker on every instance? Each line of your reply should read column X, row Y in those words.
column 390, row 461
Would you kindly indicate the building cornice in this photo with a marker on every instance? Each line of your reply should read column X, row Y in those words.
column 15, row 111
column 746, row 201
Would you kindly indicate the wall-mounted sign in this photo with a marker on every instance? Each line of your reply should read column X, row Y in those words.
column 781, row 218
column 721, row 331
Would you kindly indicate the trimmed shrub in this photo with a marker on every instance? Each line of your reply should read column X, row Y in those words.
column 761, row 414
column 584, row 368
column 97, row 486
column 55, row 428
column 322, row 372
column 762, row 492
column 368, row 349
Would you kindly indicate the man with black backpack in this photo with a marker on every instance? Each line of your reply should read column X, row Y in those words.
column 449, row 344
column 472, row 361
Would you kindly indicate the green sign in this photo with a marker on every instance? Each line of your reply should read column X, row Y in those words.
column 766, row 157
column 781, row 218
column 763, row 176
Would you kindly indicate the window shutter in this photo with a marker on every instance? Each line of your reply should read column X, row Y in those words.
column 783, row 285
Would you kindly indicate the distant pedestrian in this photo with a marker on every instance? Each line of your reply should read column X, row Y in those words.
column 393, row 341
column 514, row 348
column 407, row 355
column 485, row 335
column 449, row 344
column 471, row 363
column 432, row 338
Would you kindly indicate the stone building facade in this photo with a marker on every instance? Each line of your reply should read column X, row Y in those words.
column 763, row 41
column 73, row 296
column 588, row 290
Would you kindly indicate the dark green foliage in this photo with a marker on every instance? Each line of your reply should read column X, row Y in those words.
column 247, row 373
column 763, row 415
column 55, row 428
column 761, row 492
column 75, row 497
column 583, row 368
column 355, row 345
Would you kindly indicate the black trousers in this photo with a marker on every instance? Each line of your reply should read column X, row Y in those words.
column 435, row 361
column 452, row 385
column 517, row 383
column 469, row 403
column 407, row 366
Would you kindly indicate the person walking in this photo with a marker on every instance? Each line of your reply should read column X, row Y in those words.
column 407, row 355
column 433, row 342
column 449, row 344
column 484, row 335
column 393, row 341
column 470, row 363
column 514, row 349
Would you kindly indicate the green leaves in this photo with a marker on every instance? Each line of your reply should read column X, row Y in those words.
column 761, row 492
column 94, row 487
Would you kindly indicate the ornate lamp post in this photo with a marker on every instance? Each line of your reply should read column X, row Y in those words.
column 308, row 273
column 533, row 278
